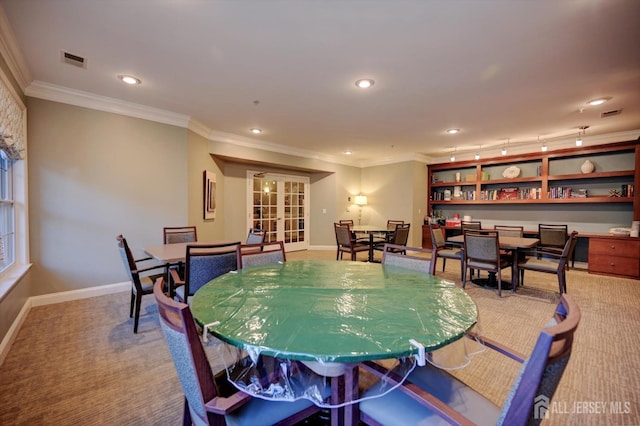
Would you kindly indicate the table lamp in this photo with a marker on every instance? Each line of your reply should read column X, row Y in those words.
column 361, row 200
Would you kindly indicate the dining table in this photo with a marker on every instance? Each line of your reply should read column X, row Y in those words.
column 380, row 231
column 173, row 253
column 514, row 244
column 332, row 315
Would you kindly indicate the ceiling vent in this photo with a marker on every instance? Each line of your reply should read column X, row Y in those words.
column 71, row 59
column 610, row 113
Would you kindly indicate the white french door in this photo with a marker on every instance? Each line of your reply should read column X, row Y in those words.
column 277, row 204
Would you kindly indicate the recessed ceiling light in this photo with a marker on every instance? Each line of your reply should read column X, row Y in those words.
column 453, row 131
column 365, row 83
column 598, row 101
column 347, row 152
column 128, row 79
column 256, row 131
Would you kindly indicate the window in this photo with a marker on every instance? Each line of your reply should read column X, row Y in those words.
column 7, row 223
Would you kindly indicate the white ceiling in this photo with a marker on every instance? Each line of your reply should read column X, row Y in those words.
column 497, row 69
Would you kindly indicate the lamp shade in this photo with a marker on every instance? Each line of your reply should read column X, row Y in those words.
column 361, row 200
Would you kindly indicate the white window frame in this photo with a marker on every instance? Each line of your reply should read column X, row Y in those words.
column 10, row 276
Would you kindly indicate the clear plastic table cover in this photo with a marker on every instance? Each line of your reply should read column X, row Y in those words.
column 282, row 331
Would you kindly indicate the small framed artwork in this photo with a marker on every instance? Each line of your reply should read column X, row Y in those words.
column 209, row 179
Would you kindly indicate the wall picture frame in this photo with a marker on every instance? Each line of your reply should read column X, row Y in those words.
column 209, row 191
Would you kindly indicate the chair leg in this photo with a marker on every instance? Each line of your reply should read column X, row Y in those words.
column 186, row 415
column 133, row 298
column 137, row 314
column 562, row 282
column 464, row 275
column 498, row 276
column 444, row 263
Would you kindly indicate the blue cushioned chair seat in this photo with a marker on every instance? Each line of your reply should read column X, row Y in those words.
column 397, row 408
column 262, row 412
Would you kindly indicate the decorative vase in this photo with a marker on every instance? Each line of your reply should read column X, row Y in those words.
column 587, row 167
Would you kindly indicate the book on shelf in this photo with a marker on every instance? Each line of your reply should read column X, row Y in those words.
column 627, row 190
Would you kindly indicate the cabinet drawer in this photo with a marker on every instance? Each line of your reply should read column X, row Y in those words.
column 624, row 266
column 613, row 247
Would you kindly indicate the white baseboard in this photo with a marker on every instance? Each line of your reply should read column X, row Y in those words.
column 49, row 299
column 11, row 335
column 83, row 293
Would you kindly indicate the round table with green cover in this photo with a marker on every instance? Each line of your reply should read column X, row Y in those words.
column 327, row 315
column 334, row 311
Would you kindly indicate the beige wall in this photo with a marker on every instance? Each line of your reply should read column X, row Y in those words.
column 199, row 160
column 396, row 191
column 92, row 176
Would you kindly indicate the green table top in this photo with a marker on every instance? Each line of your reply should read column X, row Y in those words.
column 333, row 311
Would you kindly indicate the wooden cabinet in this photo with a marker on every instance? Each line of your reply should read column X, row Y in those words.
column 619, row 256
column 553, row 177
column 426, row 237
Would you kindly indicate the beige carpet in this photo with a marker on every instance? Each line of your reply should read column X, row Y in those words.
column 79, row 363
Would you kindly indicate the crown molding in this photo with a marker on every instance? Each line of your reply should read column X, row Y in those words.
column 52, row 92
column 65, row 95
column 12, row 54
column 552, row 144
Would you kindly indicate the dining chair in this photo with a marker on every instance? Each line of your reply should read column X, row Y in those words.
column 509, row 230
column 551, row 263
column 432, row 396
column 256, row 236
column 179, row 234
column 347, row 243
column 443, row 250
column 203, row 262
column 140, row 272
column 391, row 227
column 482, row 253
column 260, row 254
column 470, row 224
column 204, row 404
column 399, row 237
column 414, row 258
column 358, row 236
column 552, row 238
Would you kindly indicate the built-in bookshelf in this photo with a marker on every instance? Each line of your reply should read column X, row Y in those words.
column 594, row 174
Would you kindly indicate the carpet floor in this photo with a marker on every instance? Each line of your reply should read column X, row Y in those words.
column 79, row 363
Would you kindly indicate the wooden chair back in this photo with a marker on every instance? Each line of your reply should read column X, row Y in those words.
column 551, row 236
column 509, row 230
column 260, row 254
column 256, row 236
column 179, row 234
column 470, row 224
column 188, row 356
column 401, row 234
column 414, row 258
column 204, row 262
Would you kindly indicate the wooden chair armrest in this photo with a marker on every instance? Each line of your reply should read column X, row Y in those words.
column 418, row 394
column 225, row 405
column 143, row 259
column 175, row 278
column 150, row 268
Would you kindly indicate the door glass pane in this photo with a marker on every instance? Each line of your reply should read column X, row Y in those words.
column 294, row 214
column 265, row 194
